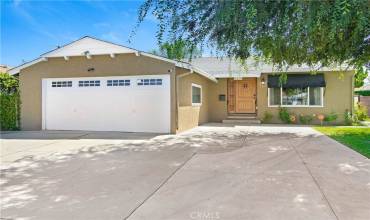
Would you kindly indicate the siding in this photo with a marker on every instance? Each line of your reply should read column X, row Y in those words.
column 191, row 116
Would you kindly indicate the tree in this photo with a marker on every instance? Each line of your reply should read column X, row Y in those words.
column 360, row 75
column 8, row 83
column 178, row 49
column 317, row 33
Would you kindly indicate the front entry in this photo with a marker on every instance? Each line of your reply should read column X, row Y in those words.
column 242, row 95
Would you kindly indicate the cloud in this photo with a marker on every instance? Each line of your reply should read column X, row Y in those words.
column 33, row 23
column 102, row 25
column 17, row 2
column 111, row 36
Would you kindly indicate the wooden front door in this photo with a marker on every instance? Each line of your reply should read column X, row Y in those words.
column 242, row 96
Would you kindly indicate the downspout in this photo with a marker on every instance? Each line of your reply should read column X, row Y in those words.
column 177, row 95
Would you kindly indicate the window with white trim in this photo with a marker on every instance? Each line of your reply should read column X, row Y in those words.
column 89, row 83
column 296, row 97
column 196, row 94
column 149, row 82
column 61, row 84
column 123, row 82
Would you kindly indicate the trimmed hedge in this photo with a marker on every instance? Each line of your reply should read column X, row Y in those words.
column 9, row 111
column 363, row 92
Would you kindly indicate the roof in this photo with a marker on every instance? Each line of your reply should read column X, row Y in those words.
column 89, row 46
column 364, row 88
column 225, row 67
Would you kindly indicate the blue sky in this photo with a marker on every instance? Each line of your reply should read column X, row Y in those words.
column 30, row 28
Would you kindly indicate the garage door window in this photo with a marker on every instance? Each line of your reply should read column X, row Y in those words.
column 61, row 84
column 125, row 82
column 196, row 94
column 89, row 83
column 149, row 82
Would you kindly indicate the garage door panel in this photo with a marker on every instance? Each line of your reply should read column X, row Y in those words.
column 133, row 108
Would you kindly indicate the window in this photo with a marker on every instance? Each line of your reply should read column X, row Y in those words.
column 275, row 96
column 299, row 97
column 125, row 82
column 196, row 95
column 61, row 84
column 149, row 82
column 316, row 96
column 296, row 96
column 89, row 83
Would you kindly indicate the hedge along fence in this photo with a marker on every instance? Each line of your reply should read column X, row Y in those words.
column 9, row 111
column 9, row 102
column 363, row 92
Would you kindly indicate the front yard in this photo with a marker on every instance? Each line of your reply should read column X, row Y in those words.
column 357, row 138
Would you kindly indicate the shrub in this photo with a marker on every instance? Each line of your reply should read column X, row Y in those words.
column 363, row 92
column 361, row 112
column 9, row 111
column 284, row 115
column 267, row 117
column 9, row 102
column 306, row 119
column 331, row 117
column 348, row 120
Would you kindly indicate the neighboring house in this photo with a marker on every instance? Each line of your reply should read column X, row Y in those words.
column 363, row 96
column 4, row 68
column 92, row 84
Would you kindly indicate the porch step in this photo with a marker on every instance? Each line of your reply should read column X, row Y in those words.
column 241, row 119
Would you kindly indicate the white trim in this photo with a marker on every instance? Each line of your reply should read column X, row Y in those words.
column 43, row 105
column 296, row 106
column 16, row 70
column 201, row 94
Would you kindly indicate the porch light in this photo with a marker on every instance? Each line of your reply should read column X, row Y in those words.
column 263, row 81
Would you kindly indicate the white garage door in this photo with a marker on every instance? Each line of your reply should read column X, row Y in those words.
column 129, row 103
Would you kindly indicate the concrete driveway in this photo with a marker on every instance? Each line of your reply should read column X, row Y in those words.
column 211, row 172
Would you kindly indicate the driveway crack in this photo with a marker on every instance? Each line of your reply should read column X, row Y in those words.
column 160, row 186
column 313, row 178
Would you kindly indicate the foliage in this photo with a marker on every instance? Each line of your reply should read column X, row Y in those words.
column 282, row 32
column 284, row 115
column 356, row 138
column 331, row 117
column 9, row 102
column 306, row 119
column 8, row 83
column 9, row 111
column 348, row 118
column 267, row 117
column 178, row 49
column 363, row 92
column 360, row 75
column 361, row 112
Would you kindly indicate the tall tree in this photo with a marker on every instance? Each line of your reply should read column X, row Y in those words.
column 317, row 33
column 178, row 49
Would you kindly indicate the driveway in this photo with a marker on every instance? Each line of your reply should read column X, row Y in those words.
column 210, row 172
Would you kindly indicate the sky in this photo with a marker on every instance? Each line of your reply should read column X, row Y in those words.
column 30, row 28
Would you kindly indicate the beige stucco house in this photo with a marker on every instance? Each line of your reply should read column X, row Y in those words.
column 92, row 84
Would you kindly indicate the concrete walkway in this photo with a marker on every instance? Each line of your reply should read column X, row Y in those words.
column 211, row 172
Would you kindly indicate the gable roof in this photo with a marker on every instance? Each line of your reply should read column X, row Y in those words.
column 91, row 46
column 225, row 67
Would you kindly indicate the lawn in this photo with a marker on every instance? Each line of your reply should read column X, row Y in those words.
column 356, row 138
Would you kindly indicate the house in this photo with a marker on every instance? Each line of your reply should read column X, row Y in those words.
column 92, row 84
column 4, row 68
column 363, row 97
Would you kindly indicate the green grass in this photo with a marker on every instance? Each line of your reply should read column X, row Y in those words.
column 357, row 139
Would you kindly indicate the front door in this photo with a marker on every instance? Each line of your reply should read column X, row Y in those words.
column 243, row 97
